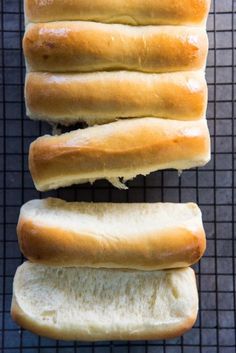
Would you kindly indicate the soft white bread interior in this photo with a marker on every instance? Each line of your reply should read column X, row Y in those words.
column 88, row 46
column 124, row 149
column 139, row 236
column 106, row 96
column 98, row 304
column 134, row 12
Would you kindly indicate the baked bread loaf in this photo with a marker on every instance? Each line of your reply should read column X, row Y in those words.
column 135, row 12
column 158, row 235
column 89, row 46
column 106, row 96
column 104, row 304
column 124, row 148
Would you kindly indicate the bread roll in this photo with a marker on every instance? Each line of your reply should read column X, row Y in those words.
column 103, row 304
column 106, row 96
column 188, row 12
column 158, row 236
column 88, row 46
column 124, row 148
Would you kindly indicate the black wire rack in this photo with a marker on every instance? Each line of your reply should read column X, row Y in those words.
column 211, row 187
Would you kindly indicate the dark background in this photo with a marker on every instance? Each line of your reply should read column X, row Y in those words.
column 211, row 187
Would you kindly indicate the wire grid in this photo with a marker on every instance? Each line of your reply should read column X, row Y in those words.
column 212, row 187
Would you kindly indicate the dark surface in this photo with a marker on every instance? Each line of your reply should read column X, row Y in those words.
column 212, row 187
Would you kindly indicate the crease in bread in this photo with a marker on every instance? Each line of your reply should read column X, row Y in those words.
column 122, row 149
column 158, row 236
column 103, row 304
column 102, row 97
column 133, row 12
column 88, row 46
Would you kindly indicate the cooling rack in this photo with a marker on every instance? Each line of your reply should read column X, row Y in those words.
column 211, row 187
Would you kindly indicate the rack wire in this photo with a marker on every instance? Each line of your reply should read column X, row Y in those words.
column 212, row 187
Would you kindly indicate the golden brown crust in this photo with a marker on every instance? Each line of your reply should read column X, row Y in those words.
column 88, row 46
column 123, row 148
column 52, row 332
column 180, row 246
column 123, row 11
column 67, row 98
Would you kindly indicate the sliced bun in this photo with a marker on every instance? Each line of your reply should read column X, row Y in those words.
column 187, row 12
column 124, row 148
column 97, row 304
column 88, row 46
column 105, row 96
column 139, row 236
